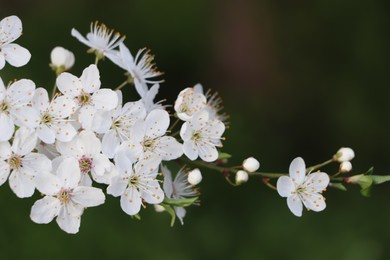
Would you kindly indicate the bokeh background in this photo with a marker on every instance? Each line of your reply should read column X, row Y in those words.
column 298, row 78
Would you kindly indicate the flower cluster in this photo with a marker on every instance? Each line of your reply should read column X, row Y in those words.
column 81, row 135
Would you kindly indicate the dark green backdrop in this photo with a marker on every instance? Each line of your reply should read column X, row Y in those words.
column 299, row 78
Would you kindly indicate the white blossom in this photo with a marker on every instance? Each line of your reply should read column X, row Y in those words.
column 87, row 94
column 345, row 154
column 301, row 188
column 178, row 188
column 21, row 164
column 14, row 108
column 65, row 197
column 241, row 177
column 53, row 123
column 345, row 167
column 189, row 103
column 10, row 30
column 194, row 177
column 251, row 164
column 136, row 183
column 213, row 105
column 148, row 99
column 62, row 58
column 201, row 136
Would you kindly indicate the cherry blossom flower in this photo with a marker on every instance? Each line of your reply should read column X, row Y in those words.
column 300, row 187
column 14, row 54
column 21, row 164
column 86, row 149
column 189, row 103
column 201, row 136
column 14, row 108
column 136, row 183
column 142, row 68
column 116, row 124
column 100, row 39
column 87, row 94
column 61, row 59
column 148, row 139
column 53, row 124
column 148, row 99
column 178, row 188
column 65, row 197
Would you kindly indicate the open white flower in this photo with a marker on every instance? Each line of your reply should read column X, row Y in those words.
column 86, row 149
column 189, row 103
column 301, row 188
column 53, row 124
column 148, row 139
column 14, row 107
column 148, row 99
column 87, row 94
column 10, row 30
column 100, row 39
column 65, row 197
column 21, row 164
column 135, row 184
column 116, row 124
column 142, row 68
column 178, row 188
column 201, row 136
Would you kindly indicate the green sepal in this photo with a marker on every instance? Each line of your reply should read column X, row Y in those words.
column 136, row 216
column 171, row 212
column 338, row 186
column 365, row 183
column 185, row 202
column 222, row 156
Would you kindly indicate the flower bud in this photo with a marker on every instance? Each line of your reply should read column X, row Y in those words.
column 251, row 164
column 345, row 167
column 194, row 177
column 344, row 154
column 241, row 177
column 159, row 208
column 61, row 58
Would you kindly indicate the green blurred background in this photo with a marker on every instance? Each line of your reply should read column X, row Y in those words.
column 298, row 78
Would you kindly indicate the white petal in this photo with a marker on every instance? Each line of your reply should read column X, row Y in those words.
column 7, row 127
column 24, row 142
column 90, row 79
column 85, row 180
column 207, row 152
column 2, row 61
column 148, row 166
column 297, row 170
column 316, row 182
column 105, row 99
column 294, row 203
column 16, row 55
column 107, row 176
column 151, row 191
column 48, row 184
column 168, row 183
column 180, row 213
column 168, row 148
column 85, row 116
column 190, row 150
column 118, row 185
column 22, row 184
column 88, row 196
column 41, row 100
column 157, row 123
column 46, row 134
column 10, row 28
column 110, row 143
column 3, row 91
column 69, row 85
column 88, row 143
column 102, row 121
column 69, row 173
column 199, row 120
column 313, row 201
column 26, row 116
column 5, row 150
column 65, row 131
column 37, row 162
column 285, row 186
column 45, row 210
column 101, row 164
column 67, row 221
column 4, row 172
column 131, row 201
column 62, row 107
column 20, row 93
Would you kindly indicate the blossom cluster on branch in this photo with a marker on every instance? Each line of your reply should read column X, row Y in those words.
column 81, row 142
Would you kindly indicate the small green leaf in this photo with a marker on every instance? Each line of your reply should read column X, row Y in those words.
column 185, row 202
column 338, row 186
column 136, row 216
column 224, row 156
column 378, row 179
column 365, row 183
column 171, row 212
column 370, row 171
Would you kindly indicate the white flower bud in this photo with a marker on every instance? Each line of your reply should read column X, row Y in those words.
column 345, row 167
column 61, row 57
column 241, row 177
column 194, row 177
column 345, row 154
column 159, row 208
column 251, row 164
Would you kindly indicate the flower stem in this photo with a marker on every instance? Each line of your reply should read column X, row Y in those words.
column 174, row 124
column 122, row 85
column 96, row 59
column 315, row 167
column 54, row 90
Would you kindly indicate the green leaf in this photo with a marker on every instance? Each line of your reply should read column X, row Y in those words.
column 224, row 156
column 171, row 212
column 370, row 171
column 136, row 216
column 338, row 186
column 378, row 179
column 365, row 183
column 185, row 202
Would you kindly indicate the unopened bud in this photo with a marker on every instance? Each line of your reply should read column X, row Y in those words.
column 344, row 154
column 159, row 208
column 241, row 177
column 251, row 164
column 194, row 177
column 61, row 58
column 345, row 167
